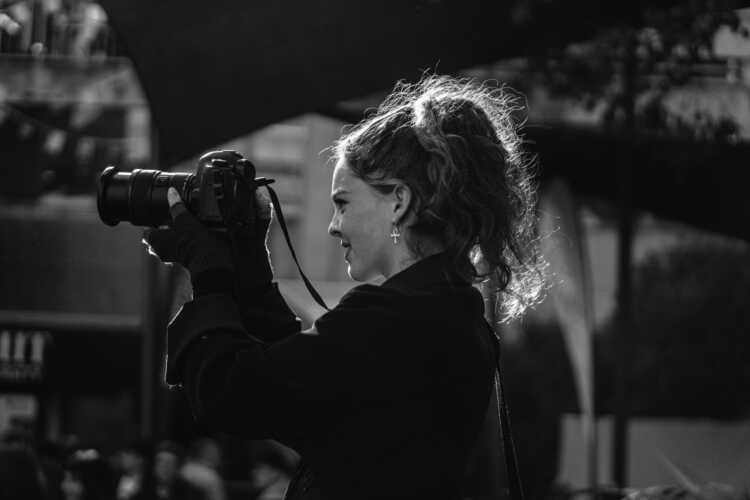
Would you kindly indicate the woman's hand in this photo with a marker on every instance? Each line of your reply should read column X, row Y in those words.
column 191, row 244
column 252, row 264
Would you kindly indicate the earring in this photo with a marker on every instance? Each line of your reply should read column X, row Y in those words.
column 395, row 234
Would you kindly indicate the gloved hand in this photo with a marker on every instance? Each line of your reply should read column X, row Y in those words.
column 248, row 244
column 264, row 311
column 189, row 243
column 250, row 253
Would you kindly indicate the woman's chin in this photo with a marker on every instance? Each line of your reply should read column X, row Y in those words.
column 357, row 273
column 353, row 274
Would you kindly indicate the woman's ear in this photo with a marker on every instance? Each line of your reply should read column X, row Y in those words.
column 402, row 200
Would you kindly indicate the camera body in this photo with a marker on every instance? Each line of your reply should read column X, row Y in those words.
column 221, row 193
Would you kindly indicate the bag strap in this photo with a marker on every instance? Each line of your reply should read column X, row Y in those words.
column 506, row 433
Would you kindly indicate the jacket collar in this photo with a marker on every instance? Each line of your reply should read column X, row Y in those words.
column 433, row 270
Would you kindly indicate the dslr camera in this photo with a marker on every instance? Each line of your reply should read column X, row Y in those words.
column 221, row 193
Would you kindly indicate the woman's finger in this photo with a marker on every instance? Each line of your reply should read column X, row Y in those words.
column 262, row 205
column 173, row 197
column 176, row 206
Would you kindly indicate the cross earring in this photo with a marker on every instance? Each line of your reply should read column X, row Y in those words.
column 395, row 234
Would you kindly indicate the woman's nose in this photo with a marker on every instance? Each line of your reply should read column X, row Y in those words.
column 333, row 228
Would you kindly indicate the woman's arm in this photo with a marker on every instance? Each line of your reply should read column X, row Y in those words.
column 266, row 313
column 207, row 347
column 238, row 383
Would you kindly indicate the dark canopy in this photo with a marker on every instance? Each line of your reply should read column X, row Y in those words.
column 703, row 184
column 215, row 70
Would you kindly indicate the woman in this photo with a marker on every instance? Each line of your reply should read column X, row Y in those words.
column 385, row 395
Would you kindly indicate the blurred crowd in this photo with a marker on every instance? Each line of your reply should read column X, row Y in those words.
column 73, row 28
column 160, row 471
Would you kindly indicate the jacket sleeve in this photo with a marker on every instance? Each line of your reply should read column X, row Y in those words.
column 268, row 315
column 237, row 383
column 262, row 308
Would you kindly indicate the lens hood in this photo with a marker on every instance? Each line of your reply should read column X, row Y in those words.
column 101, row 187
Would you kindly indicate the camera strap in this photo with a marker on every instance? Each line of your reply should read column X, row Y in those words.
column 282, row 223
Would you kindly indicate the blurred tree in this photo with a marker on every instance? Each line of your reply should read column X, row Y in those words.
column 659, row 51
column 691, row 333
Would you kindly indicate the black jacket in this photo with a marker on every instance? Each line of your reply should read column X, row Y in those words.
column 383, row 399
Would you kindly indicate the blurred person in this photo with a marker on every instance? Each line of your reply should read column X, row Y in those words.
column 385, row 396
column 163, row 480
column 20, row 474
column 130, row 463
column 51, row 460
column 87, row 476
column 201, row 469
column 46, row 456
column 269, row 481
column 167, row 461
column 272, row 472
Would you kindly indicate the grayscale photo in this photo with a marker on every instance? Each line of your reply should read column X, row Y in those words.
column 395, row 250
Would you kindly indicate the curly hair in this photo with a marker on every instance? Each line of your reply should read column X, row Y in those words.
column 455, row 144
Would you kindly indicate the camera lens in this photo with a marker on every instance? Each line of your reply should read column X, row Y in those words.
column 140, row 196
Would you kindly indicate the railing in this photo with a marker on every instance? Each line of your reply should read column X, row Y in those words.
column 76, row 29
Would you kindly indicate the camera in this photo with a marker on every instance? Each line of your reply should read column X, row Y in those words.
column 221, row 194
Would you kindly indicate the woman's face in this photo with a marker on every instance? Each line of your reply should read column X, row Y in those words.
column 363, row 220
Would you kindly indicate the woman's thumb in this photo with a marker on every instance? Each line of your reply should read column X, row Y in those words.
column 176, row 206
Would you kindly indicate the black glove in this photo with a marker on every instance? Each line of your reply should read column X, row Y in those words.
column 248, row 244
column 250, row 254
column 262, row 307
column 205, row 254
column 234, row 264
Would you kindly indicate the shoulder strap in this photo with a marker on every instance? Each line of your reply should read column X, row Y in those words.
column 511, row 459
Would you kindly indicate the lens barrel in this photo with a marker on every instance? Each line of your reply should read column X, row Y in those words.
column 140, row 196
